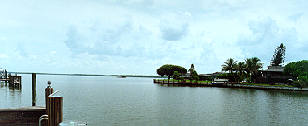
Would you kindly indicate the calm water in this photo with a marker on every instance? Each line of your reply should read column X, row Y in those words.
column 137, row 101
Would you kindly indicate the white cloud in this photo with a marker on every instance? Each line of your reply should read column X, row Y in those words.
column 3, row 56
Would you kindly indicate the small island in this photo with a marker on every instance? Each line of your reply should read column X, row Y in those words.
column 243, row 74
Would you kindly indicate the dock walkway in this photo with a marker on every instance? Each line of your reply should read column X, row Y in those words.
column 27, row 116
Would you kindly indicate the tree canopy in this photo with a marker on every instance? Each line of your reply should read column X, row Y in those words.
column 192, row 68
column 253, row 65
column 248, row 69
column 229, row 65
column 168, row 70
column 240, row 67
column 176, row 75
column 279, row 55
column 298, row 70
column 194, row 75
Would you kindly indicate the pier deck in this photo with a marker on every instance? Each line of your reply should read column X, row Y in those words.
column 27, row 116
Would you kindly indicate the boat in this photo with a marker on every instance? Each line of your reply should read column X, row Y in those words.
column 122, row 76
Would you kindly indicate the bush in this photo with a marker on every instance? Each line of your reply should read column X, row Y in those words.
column 298, row 70
column 301, row 82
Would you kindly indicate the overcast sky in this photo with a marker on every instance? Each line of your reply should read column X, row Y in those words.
column 138, row 36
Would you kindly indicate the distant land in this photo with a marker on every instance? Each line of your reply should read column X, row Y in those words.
column 66, row 74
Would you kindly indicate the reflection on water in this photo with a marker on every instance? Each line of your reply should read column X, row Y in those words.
column 11, row 95
column 137, row 101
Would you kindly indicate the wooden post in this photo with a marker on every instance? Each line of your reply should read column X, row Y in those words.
column 48, row 91
column 5, row 74
column 33, row 89
column 55, row 110
column 20, row 83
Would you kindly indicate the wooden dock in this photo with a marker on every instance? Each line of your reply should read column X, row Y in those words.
column 51, row 115
column 27, row 116
column 12, row 81
column 4, row 79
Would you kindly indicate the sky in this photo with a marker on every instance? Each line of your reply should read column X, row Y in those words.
column 138, row 36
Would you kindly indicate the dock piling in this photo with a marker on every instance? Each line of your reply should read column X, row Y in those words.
column 55, row 109
column 48, row 91
column 33, row 89
column 54, row 106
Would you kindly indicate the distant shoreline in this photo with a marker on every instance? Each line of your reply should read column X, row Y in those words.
column 64, row 74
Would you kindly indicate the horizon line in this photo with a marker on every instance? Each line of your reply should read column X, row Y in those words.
column 82, row 74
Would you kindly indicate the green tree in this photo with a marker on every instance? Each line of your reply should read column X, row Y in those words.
column 229, row 65
column 194, row 76
column 302, row 81
column 253, row 65
column 279, row 55
column 176, row 75
column 241, row 70
column 241, row 67
column 168, row 70
column 192, row 68
column 298, row 70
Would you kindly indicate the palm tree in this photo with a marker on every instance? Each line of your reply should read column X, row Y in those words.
column 240, row 67
column 252, row 66
column 229, row 65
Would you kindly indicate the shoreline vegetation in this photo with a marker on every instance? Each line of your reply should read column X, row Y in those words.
column 257, row 86
column 244, row 74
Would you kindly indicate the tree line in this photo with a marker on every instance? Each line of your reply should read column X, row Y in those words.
column 248, row 70
column 238, row 71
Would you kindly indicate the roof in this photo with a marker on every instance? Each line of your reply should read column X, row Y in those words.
column 274, row 69
column 220, row 80
column 205, row 75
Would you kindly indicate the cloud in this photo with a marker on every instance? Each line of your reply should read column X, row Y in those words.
column 174, row 33
column 123, row 39
column 97, row 39
column 296, row 16
column 174, row 26
column 3, row 56
column 265, row 35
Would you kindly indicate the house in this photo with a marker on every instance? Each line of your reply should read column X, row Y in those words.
column 274, row 74
column 209, row 76
column 205, row 76
column 220, row 81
